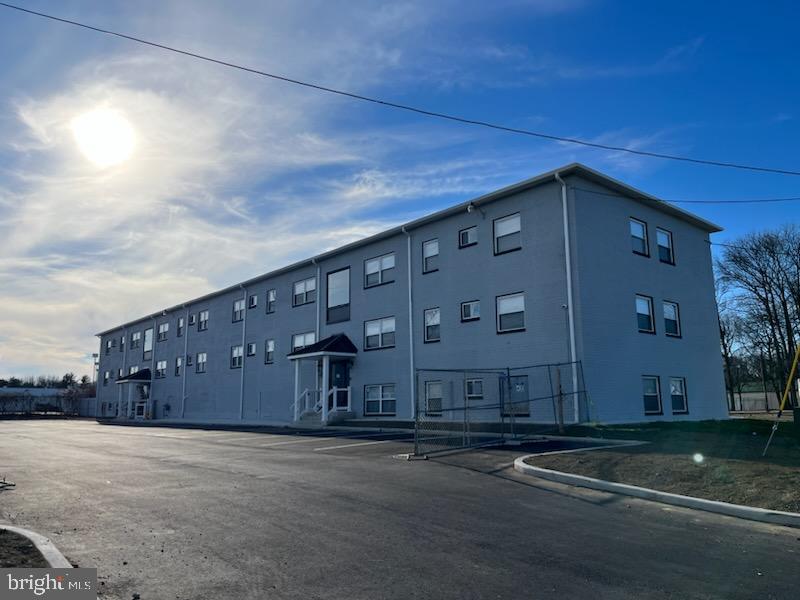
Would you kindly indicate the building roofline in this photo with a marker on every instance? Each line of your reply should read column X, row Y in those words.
column 574, row 168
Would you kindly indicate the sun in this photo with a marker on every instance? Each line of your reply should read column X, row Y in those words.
column 104, row 136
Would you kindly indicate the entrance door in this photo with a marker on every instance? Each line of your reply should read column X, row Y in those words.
column 340, row 378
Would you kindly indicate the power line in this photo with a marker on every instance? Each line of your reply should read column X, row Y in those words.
column 415, row 109
column 743, row 201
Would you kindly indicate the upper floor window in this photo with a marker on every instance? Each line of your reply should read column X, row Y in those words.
column 379, row 399
column 651, row 394
column 379, row 333
column 136, row 339
column 120, row 373
column 269, row 352
column 252, row 301
column 122, row 343
column 301, row 340
column 468, row 237
column 200, row 366
column 665, row 252
column 106, row 377
column 677, row 392
column 238, row 310
column 644, row 314
column 672, row 319
column 338, row 296
column 510, row 312
column 304, row 292
column 161, row 369
column 430, row 256
column 507, row 234
column 192, row 319
column 179, row 331
column 471, row 311
column 109, row 344
column 148, row 343
column 271, row 299
column 639, row 237
column 251, row 349
column 202, row 320
column 236, row 357
column 163, row 328
column 379, row 270
column 178, row 366
column 432, row 325
column 133, row 369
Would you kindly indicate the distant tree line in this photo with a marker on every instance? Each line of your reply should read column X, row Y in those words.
column 758, row 298
column 66, row 381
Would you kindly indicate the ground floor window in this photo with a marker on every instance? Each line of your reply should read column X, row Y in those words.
column 677, row 392
column 651, row 393
column 433, row 398
column 380, row 399
column 161, row 369
column 473, row 390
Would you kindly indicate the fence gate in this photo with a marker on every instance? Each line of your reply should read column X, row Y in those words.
column 463, row 408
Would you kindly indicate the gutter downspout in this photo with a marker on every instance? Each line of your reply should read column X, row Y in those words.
column 124, row 372
column 412, row 366
column 244, row 353
column 185, row 359
column 319, row 298
column 570, row 305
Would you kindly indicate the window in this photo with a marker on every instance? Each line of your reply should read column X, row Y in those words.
column 136, row 339
column 305, row 292
column 252, row 302
column 271, row 297
column 179, row 331
column 269, row 352
column 251, row 349
column 672, row 319
column 163, row 328
column 664, row 241
column 301, row 340
column 122, row 343
column 467, row 237
column 201, row 362
column 188, row 360
column 106, row 377
column 507, row 236
column 471, row 311
column 202, row 320
column 432, row 327
column 379, row 333
column 238, row 310
column 433, row 398
column 148, row 344
column 430, row 256
column 379, row 399
column 178, row 366
column 133, row 369
column 644, row 314
column 192, row 319
column 510, row 312
column 639, row 237
column 514, row 391
column 677, row 392
column 108, row 346
column 338, row 296
column 473, row 390
column 379, row 270
column 161, row 369
column 236, row 357
column 651, row 390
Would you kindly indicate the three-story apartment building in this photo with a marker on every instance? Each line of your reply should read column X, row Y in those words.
column 569, row 265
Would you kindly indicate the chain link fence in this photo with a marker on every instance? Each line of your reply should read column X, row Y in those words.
column 463, row 408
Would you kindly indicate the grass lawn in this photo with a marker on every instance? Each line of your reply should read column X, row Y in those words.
column 17, row 551
column 732, row 469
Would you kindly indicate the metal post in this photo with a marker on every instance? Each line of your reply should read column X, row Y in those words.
column 510, row 402
column 325, row 380
column 416, row 413
column 560, row 401
column 465, row 434
column 296, row 390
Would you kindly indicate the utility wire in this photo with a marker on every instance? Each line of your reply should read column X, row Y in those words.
column 744, row 201
column 415, row 109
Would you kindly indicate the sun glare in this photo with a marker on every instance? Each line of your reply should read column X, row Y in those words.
column 104, row 136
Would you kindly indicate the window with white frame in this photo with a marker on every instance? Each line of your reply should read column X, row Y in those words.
column 672, row 319
column 507, row 234
column 639, row 237
column 238, row 310
column 430, row 256
column 189, row 360
column 379, row 270
column 200, row 365
column 163, row 329
column 644, row 314
column 178, row 366
column 252, row 301
column 510, row 312
column 301, row 340
column 269, row 352
column 651, row 394
column 473, row 390
column 304, row 292
column 338, row 289
column 136, row 339
column 192, row 319
column 108, row 346
column 471, row 311
column 120, row 373
column 272, row 296
column 122, row 343
column 433, row 398
column 161, row 369
column 432, row 325
column 202, row 320
column 677, row 392
column 148, row 344
column 379, row 333
column 380, row 399
column 251, row 349
column 236, row 357
column 180, row 327
column 664, row 241
column 133, row 369
column 106, row 377
column 468, row 237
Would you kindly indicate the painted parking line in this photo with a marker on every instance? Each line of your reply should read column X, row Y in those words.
column 353, row 445
column 323, row 438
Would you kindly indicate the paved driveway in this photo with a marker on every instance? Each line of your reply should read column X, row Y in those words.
column 179, row 513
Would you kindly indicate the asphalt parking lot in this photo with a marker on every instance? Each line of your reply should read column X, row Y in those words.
column 187, row 513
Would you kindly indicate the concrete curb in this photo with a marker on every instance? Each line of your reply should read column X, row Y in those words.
column 51, row 554
column 775, row 517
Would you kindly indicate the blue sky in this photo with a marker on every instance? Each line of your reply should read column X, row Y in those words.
column 232, row 175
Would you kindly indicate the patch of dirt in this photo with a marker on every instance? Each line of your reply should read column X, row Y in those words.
column 17, row 551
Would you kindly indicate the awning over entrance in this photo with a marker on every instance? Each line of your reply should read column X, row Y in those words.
column 335, row 345
column 138, row 377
